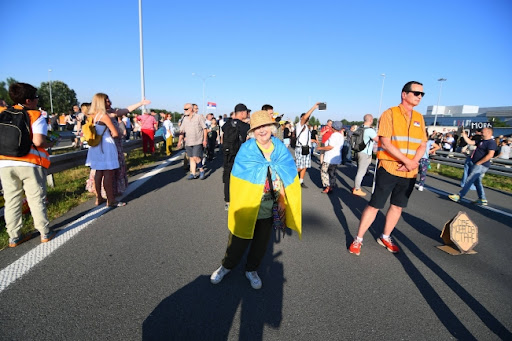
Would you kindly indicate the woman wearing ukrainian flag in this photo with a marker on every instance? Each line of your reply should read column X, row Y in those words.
column 250, row 216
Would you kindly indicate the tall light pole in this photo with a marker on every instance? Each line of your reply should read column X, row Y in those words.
column 141, row 51
column 383, row 75
column 50, row 83
column 204, row 85
column 439, row 98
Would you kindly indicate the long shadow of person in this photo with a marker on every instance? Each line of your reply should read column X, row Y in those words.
column 203, row 311
column 434, row 300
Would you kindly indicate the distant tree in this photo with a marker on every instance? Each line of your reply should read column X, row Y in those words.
column 63, row 98
column 314, row 121
column 4, row 90
column 497, row 123
column 296, row 120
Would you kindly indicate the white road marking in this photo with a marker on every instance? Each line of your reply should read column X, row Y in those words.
column 24, row 264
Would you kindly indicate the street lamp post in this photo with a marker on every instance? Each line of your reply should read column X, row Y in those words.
column 438, row 98
column 50, row 83
column 381, row 91
column 204, row 86
column 141, row 52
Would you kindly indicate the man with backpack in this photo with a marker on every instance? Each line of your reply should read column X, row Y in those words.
column 23, row 163
column 234, row 134
column 362, row 143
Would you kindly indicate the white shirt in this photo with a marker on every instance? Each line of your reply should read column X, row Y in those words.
column 333, row 156
column 168, row 126
column 305, row 137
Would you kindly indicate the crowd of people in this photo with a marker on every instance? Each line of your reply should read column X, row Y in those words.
column 265, row 159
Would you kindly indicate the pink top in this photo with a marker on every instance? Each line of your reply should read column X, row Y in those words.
column 147, row 122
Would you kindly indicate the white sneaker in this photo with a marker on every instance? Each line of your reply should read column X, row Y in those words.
column 255, row 280
column 219, row 274
column 420, row 188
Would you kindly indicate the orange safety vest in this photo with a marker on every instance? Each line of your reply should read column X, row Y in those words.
column 406, row 137
column 36, row 155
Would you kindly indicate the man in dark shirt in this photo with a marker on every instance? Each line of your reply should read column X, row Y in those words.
column 240, row 114
column 480, row 163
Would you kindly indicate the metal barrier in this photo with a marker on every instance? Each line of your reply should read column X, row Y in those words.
column 501, row 167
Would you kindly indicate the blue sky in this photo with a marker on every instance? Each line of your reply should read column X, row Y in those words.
column 290, row 54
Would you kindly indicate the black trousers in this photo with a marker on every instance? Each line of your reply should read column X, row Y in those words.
column 237, row 246
column 229, row 160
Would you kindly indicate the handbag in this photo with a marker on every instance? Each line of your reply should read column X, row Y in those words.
column 305, row 149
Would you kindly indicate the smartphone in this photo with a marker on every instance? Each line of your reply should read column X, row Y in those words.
column 322, row 106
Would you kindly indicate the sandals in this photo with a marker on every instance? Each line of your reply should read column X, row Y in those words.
column 117, row 204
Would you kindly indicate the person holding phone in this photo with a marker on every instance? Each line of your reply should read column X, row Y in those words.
column 303, row 146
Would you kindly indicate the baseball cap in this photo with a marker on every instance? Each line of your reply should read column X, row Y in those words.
column 337, row 125
column 241, row 107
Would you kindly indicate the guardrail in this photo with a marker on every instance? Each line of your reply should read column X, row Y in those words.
column 65, row 161
column 501, row 167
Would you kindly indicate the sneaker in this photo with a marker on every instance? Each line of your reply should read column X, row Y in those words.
column 358, row 192
column 13, row 242
column 388, row 244
column 218, row 275
column 327, row 190
column 191, row 177
column 49, row 236
column 420, row 188
column 454, row 197
column 255, row 280
column 355, row 247
column 482, row 202
column 226, row 206
column 201, row 176
column 303, row 185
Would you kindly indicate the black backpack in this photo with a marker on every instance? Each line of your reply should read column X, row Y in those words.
column 232, row 139
column 357, row 140
column 15, row 139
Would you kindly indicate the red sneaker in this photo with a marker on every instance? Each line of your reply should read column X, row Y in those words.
column 327, row 190
column 355, row 247
column 388, row 244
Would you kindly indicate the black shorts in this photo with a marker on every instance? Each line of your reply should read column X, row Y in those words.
column 386, row 184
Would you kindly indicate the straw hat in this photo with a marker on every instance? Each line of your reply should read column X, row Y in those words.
column 261, row 118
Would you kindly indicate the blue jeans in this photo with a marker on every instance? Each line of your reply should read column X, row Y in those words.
column 466, row 172
column 476, row 174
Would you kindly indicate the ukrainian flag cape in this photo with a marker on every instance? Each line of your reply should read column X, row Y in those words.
column 246, row 187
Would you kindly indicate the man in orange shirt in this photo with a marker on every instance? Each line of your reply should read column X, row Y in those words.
column 402, row 143
column 26, row 173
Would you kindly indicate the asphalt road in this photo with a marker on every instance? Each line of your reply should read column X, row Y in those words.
column 142, row 271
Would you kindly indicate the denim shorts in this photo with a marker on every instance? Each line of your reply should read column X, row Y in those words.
column 196, row 150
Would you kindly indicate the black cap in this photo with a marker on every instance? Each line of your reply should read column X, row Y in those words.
column 241, row 107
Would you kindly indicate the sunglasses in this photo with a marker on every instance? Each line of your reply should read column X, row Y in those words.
column 186, row 109
column 418, row 93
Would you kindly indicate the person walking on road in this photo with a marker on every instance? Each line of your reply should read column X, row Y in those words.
column 332, row 158
column 364, row 157
column 431, row 148
column 234, row 133
column 303, row 146
column 479, row 165
column 194, row 127
column 402, row 143
column 264, row 182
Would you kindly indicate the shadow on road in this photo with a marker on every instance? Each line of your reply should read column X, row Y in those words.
column 436, row 303
column 203, row 311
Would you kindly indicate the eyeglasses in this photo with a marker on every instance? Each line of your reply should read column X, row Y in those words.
column 418, row 93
